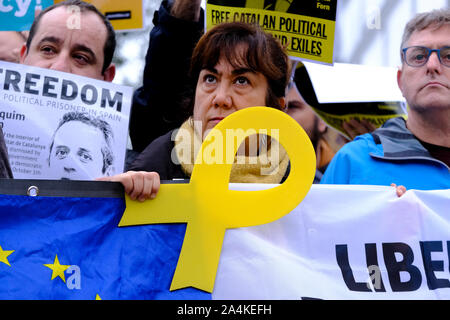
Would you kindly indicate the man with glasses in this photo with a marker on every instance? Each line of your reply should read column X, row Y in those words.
column 414, row 153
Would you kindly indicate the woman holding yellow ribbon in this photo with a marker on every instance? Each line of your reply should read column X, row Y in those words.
column 234, row 66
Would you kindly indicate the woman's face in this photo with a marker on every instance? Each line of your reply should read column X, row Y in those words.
column 224, row 90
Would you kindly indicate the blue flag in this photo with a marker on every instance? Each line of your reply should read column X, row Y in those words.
column 65, row 243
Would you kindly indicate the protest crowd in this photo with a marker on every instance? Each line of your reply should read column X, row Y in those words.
column 193, row 79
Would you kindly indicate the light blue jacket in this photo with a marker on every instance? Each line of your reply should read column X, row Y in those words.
column 390, row 154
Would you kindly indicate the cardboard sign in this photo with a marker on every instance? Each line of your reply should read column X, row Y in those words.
column 208, row 206
column 306, row 28
column 343, row 91
column 123, row 15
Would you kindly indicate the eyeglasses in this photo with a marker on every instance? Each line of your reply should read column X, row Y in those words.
column 418, row 56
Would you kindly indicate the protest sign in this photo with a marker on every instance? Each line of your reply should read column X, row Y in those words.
column 62, row 126
column 343, row 242
column 209, row 207
column 306, row 28
column 362, row 242
column 123, row 15
column 18, row 15
column 343, row 91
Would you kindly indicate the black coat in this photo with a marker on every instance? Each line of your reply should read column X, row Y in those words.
column 158, row 105
column 158, row 157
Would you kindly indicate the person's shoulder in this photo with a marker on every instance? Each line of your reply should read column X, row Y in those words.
column 361, row 144
column 353, row 157
column 158, row 152
column 162, row 141
column 160, row 144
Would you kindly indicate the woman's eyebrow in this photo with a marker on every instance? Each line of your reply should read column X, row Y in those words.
column 242, row 71
column 210, row 69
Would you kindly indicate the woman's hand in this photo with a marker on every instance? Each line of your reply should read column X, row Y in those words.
column 139, row 185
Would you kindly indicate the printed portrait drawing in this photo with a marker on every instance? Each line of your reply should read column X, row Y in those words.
column 81, row 148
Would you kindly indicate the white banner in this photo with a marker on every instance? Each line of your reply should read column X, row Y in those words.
column 62, row 126
column 343, row 242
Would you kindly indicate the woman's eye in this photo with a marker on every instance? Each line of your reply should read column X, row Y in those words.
column 209, row 78
column 242, row 81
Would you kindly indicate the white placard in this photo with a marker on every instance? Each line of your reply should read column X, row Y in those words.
column 343, row 242
column 344, row 82
column 62, row 126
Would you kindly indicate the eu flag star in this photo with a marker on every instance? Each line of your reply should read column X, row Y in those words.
column 58, row 269
column 4, row 255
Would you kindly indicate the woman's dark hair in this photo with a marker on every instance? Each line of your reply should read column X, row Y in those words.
column 262, row 53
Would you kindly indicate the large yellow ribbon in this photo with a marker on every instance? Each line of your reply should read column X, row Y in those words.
column 208, row 206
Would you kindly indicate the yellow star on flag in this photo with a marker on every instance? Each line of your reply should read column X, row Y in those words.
column 4, row 255
column 58, row 269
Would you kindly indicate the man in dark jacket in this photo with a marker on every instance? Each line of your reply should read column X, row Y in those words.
column 157, row 105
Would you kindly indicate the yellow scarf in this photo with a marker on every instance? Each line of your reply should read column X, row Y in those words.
column 245, row 169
